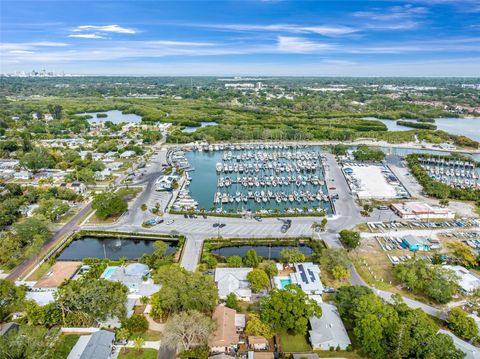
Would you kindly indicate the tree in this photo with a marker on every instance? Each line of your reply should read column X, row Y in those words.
column 83, row 301
column 350, row 239
column 11, row 298
column 122, row 334
column 186, row 329
column 26, row 343
column 461, row 324
column 289, row 309
column 340, row 273
column 440, row 346
column 52, row 208
column 292, row 255
column 138, row 344
column 255, row 326
column 323, row 224
column 107, row 204
column 143, row 207
column 444, row 202
column 32, row 228
column 37, row 159
column 473, row 299
column 334, row 257
column 234, row 262
column 232, row 302
column 436, row 282
column 258, row 279
column 251, row 258
column 365, row 153
column 270, row 267
column 136, row 324
column 158, row 257
column 182, row 291
column 463, row 254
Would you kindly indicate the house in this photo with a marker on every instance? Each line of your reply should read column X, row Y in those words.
column 164, row 183
column 240, row 322
column 103, row 175
column 411, row 210
column 114, row 166
column 260, row 355
column 305, row 356
column 225, row 337
column 307, row 277
column 415, row 243
column 95, row 346
column 135, row 276
column 257, row 342
column 22, row 175
column 233, row 280
column 220, row 356
column 468, row 282
column 127, row 154
column 328, row 330
column 77, row 187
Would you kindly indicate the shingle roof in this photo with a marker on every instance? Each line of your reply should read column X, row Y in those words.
column 226, row 332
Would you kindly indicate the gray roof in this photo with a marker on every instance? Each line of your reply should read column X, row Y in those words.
column 328, row 329
column 99, row 346
column 307, row 356
column 6, row 327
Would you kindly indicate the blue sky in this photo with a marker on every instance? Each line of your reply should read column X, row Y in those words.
column 249, row 37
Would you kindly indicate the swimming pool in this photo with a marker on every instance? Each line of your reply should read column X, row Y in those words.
column 108, row 272
column 282, row 282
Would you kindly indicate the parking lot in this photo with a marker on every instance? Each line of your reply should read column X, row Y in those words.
column 380, row 227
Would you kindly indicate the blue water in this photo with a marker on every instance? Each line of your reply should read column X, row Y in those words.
column 285, row 282
column 202, row 124
column 114, row 116
column 108, row 272
column 111, row 248
column 204, row 185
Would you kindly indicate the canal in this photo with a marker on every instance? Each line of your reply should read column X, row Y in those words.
column 111, row 248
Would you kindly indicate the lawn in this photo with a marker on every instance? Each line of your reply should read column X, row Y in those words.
column 64, row 345
column 339, row 354
column 144, row 354
column 290, row 343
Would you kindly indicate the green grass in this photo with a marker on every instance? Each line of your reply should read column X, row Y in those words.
column 149, row 336
column 339, row 354
column 290, row 343
column 64, row 345
column 144, row 354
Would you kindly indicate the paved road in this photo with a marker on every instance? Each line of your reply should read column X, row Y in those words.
column 68, row 227
column 192, row 252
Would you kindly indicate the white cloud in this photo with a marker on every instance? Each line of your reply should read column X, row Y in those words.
column 406, row 17
column 20, row 52
column 300, row 45
column 106, row 28
column 325, row 30
column 88, row 36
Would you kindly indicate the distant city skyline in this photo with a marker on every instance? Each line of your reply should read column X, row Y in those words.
column 242, row 38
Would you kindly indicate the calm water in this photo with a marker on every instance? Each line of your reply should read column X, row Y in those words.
column 469, row 127
column 202, row 124
column 111, row 248
column 114, row 116
column 204, row 184
column 272, row 252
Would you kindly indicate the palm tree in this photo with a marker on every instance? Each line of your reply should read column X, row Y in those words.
column 138, row 344
column 122, row 334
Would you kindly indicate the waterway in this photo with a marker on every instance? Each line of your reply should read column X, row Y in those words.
column 267, row 252
column 469, row 127
column 204, row 179
column 191, row 129
column 114, row 116
column 111, row 248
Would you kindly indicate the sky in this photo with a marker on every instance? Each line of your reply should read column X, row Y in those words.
column 242, row 37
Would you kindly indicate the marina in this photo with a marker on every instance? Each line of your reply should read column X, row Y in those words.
column 262, row 178
column 455, row 173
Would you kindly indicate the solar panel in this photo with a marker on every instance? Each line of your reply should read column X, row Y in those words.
column 302, row 273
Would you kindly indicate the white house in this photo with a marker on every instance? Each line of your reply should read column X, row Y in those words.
column 468, row 281
column 233, row 280
column 103, row 175
column 307, row 277
column 22, row 175
column 328, row 330
column 127, row 154
column 164, row 183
